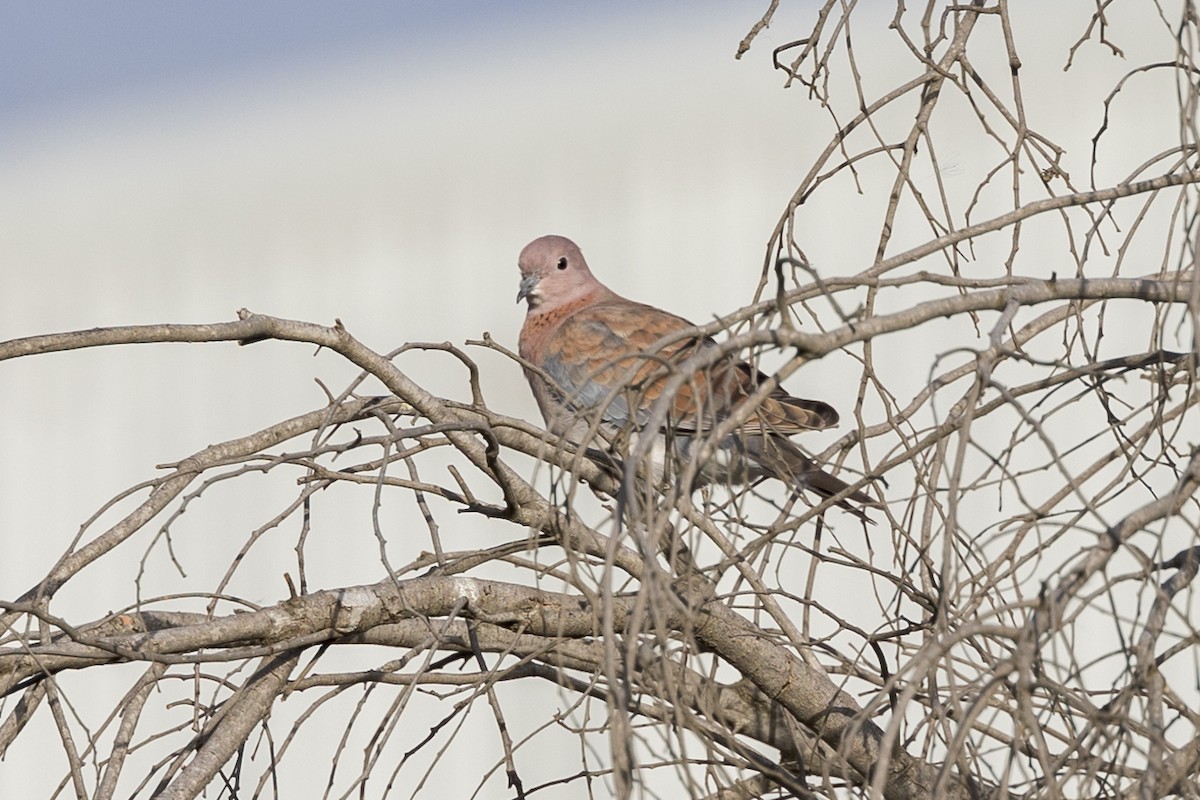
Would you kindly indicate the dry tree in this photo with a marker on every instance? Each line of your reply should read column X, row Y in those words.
column 1017, row 619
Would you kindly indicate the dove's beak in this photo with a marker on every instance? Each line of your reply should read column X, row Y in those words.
column 528, row 285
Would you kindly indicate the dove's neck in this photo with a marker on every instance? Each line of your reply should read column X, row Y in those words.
column 565, row 304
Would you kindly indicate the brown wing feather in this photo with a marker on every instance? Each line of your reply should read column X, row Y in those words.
column 632, row 355
column 780, row 412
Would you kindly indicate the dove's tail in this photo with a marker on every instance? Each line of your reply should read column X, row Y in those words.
column 778, row 456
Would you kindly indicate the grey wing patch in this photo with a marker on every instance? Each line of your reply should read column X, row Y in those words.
column 573, row 389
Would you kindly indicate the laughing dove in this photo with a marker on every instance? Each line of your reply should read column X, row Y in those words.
column 598, row 365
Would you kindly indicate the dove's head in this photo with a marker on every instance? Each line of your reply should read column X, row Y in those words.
column 553, row 272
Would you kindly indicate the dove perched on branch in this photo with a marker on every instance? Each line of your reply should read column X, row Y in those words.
column 600, row 364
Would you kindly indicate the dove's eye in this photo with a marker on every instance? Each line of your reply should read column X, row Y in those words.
column 562, row 263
